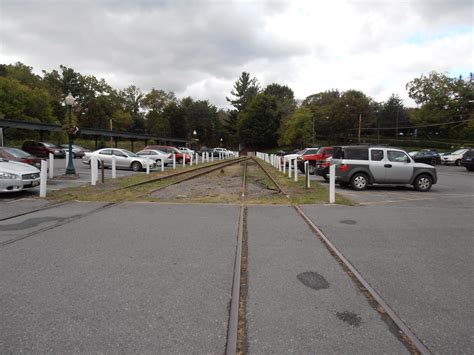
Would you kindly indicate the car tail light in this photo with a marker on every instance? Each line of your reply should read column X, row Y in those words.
column 343, row 167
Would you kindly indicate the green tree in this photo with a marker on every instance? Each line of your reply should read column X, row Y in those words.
column 296, row 130
column 392, row 114
column 258, row 124
column 245, row 89
column 444, row 102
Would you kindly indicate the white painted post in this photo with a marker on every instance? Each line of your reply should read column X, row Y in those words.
column 147, row 165
column 114, row 166
column 67, row 159
column 43, row 178
column 51, row 165
column 332, row 183
column 94, row 170
column 162, row 164
column 296, row 169
column 284, row 165
column 197, row 158
column 289, row 167
column 212, row 157
column 174, row 161
column 184, row 160
column 306, row 172
column 191, row 161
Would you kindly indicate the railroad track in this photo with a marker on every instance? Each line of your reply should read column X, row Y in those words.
column 236, row 338
column 237, row 327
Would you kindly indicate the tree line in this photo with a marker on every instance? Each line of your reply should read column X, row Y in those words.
column 261, row 117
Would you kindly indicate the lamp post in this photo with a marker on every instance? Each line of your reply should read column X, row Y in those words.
column 70, row 164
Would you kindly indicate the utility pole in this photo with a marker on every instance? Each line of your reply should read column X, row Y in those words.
column 313, row 128
column 360, row 124
column 111, row 138
column 396, row 130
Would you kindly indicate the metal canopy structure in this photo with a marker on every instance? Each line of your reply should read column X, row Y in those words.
column 91, row 132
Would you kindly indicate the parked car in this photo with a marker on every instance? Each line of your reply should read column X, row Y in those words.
column 186, row 150
column 15, row 154
column 171, row 150
column 300, row 153
column 124, row 159
column 42, row 149
column 157, row 156
column 360, row 166
column 205, row 150
column 322, row 154
column 468, row 160
column 16, row 176
column 426, row 156
column 218, row 151
column 77, row 150
column 454, row 158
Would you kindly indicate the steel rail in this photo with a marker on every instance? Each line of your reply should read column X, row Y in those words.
column 212, row 168
column 52, row 205
column 406, row 335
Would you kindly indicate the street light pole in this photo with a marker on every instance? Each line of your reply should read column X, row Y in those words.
column 70, row 164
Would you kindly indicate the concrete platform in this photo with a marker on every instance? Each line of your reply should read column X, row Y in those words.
column 285, row 315
column 134, row 278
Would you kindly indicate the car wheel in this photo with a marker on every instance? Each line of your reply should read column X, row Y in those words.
column 359, row 181
column 136, row 166
column 327, row 179
column 469, row 168
column 423, row 183
column 158, row 162
column 458, row 162
column 311, row 169
column 433, row 162
column 180, row 161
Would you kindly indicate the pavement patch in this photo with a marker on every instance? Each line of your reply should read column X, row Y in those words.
column 313, row 280
column 349, row 317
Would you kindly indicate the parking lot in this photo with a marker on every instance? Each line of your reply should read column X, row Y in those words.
column 414, row 248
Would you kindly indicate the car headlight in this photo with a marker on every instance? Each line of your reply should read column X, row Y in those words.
column 4, row 175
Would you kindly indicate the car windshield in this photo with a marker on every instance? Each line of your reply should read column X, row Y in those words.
column 17, row 152
column 129, row 153
column 50, row 145
column 459, row 151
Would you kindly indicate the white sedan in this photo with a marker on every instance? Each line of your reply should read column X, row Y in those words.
column 123, row 159
column 16, row 176
column 156, row 155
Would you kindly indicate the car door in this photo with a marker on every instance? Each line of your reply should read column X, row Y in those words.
column 399, row 167
column 105, row 156
column 122, row 159
column 377, row 165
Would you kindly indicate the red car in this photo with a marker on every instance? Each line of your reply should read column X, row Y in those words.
column 42, row 149
column 171, row 150
column 322, row 154
column 15, row 154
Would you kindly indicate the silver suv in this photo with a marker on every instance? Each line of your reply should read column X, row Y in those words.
column 360, row 166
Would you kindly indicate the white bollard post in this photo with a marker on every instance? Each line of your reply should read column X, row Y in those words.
column 51, row 165
column 174, row 161
column 162, row 164
column 67, row 159
column 147, row 165
column 212, row 158
column 284, row 166
column 332, row 183
column 296, row 169
column 94, row 170
column 184, row 160
column 114, row 166
column 289, row 167
column 197, row 158
column 306, row 172
column 43, row 178
column 191, row 161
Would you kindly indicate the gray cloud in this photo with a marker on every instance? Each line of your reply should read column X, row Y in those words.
column 201, row 47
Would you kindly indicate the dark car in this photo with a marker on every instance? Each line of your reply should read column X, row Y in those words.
column 427, row 156
column 77, row 150
column 468, row 160
column 15, row 154
column 42, row 149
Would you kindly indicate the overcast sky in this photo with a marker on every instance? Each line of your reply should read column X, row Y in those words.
column 200, row 47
